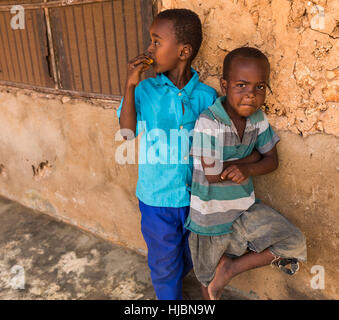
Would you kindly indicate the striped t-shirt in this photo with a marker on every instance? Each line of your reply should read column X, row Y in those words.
column 214, row 206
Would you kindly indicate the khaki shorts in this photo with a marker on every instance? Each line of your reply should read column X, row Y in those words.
column 258, row 228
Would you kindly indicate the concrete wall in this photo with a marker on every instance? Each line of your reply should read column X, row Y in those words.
column 83, row 185
column 57, row 155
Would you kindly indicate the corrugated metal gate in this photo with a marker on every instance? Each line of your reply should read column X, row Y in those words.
column 72, row 46
column 24, row 51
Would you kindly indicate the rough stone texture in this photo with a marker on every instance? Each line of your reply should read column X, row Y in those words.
column 302, row 47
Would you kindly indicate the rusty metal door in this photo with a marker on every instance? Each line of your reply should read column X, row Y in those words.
column 75, row 46
column 24, row 52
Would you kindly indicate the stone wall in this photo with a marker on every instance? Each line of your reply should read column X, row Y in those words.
column 59, row 158
column 302, row 47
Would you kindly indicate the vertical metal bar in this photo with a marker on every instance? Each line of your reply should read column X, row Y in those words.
column 106, row 52
column 30, row 53
column 69, row 48
column 51, row 48
column 146, row 16
column 77, row 41
column 24, row 62
column 16, row 52
column 12, row 53
column 3, row 45
column 42, row 75
column 96, row 49
column 116, row 49
column 125, row 32
column 2, row 71
column 87, row 54
column 136, row 25
column 9, row 49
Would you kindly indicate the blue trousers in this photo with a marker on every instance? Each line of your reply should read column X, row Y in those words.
column 169, row 256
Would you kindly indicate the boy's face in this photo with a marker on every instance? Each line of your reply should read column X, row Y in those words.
column 164, row 48
column 246, row 85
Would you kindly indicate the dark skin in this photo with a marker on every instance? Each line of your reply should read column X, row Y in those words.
column 245, row 89
column 170, row 57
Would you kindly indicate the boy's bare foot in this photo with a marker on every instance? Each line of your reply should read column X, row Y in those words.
column 222, row 277
column 204, row 293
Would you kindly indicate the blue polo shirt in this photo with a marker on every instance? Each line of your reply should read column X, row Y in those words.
column 166, row 118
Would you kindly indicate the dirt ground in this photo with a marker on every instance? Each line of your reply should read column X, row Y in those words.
column 45, row 259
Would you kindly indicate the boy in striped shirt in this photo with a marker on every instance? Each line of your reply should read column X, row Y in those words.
column 225, row 218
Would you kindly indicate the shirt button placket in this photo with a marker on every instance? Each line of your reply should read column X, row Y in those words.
column 180, row 94
column 182, row 127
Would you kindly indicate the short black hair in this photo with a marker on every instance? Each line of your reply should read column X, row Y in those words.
column 245, row 52
column 187, row 26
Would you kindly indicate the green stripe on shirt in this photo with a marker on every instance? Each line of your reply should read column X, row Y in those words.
column 217, row 230
column 265, row 137
column 207, row 193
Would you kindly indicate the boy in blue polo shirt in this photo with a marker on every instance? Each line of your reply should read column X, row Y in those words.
column 225, row 219
column 165, row 109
